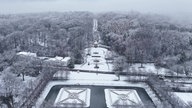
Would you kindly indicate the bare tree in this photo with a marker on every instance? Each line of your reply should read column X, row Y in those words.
column 119, row 64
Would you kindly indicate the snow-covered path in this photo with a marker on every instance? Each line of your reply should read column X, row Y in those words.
column 95, row 25
column 96, row 56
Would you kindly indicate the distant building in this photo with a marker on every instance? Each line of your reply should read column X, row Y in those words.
column 64, row 61
column 67, row 60
column 27, row 54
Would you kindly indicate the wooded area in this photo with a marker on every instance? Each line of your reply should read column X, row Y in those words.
column 48, row 34
column 148, row 38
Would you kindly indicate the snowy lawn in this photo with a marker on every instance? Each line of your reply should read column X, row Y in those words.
column 17, row 85
column 185, row 97
column 28, row 78
column 97, row 57
column 88, row 79
column 27, row 54
column 149, row 68
column 90, row 76
column 94, row 76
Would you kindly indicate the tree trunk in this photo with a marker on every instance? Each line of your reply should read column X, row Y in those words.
column 23, row 76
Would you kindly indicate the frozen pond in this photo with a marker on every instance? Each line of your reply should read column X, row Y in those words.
column 98, row 95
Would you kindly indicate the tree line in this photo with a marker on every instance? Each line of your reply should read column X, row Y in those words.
column 148, row 38
column 46, row 34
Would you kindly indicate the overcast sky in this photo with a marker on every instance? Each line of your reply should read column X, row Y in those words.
column 177, row 8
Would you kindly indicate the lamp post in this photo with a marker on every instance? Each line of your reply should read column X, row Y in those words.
column 141, row 51
column 96, row 67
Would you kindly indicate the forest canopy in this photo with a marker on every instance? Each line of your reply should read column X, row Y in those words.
column 147, row 37
column 46, row 34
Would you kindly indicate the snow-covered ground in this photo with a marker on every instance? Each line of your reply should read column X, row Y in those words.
column 70, row 96
column 63, row 60
column 95, row 25
column 88, row 79
column 122, row 97
column 95, row 60
column 27, row 83
column 181, row 80
column 28, row 78
column 94, row 76
column 17, row 85
column 97, row 57
column 19, row 79
column 149, row 68
column 27, row 54
column 185, row 97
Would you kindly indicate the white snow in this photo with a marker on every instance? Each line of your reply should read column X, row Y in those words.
column 185, row 97
column 28, row 78
column 122, row 97
column 88, row 79
column 84, row 82
column 97, row 51
column 97, row 57
column 72, row 96
column 94, row 76
column 58, row 58
column 64, row 60
column 27, row 54
column 95, row 25
column 19, row 86
column 148, row 68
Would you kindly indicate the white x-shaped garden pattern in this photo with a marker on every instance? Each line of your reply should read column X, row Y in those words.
column 122, row 97
column 73, row 97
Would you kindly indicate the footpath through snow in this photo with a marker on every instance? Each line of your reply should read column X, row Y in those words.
column 95, row 60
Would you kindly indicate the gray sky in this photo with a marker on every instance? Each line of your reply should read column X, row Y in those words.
column 177, row 8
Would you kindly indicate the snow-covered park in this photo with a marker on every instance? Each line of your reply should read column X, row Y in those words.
column 92, row 79
column 95, row 60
